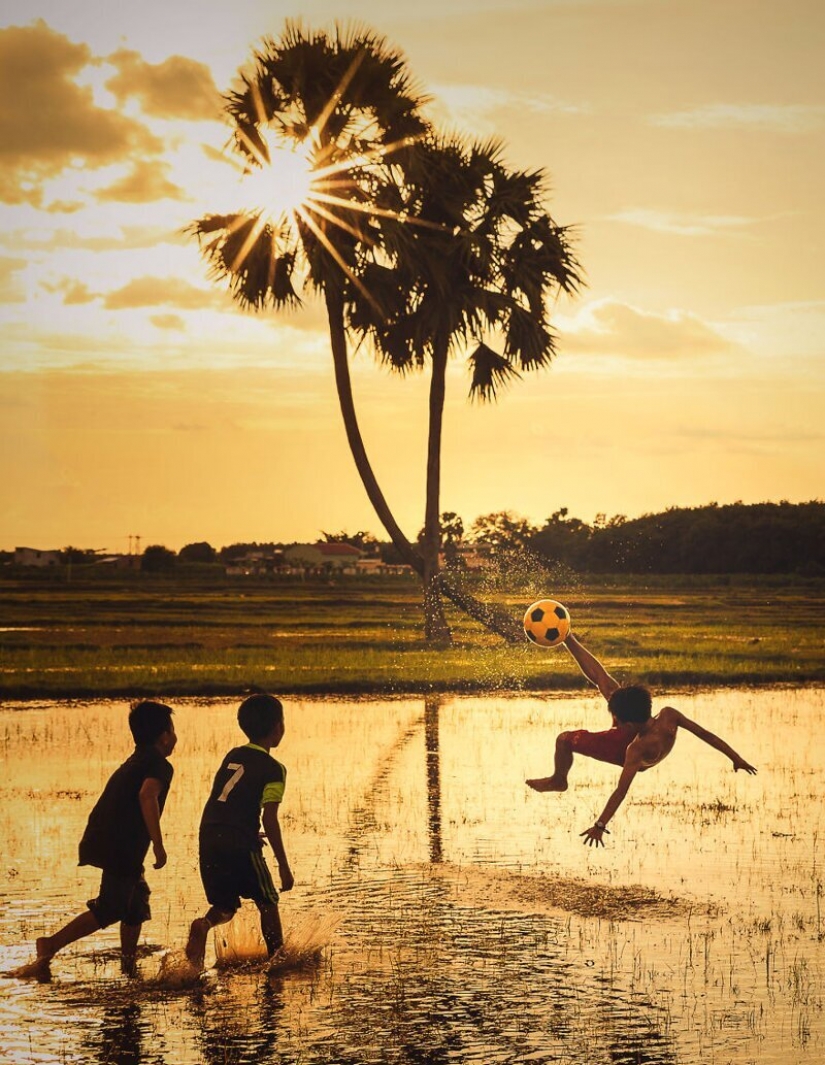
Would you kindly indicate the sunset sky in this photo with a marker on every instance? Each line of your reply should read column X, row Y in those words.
column 684, row 141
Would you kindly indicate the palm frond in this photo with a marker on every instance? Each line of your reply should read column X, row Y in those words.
column 490, row 372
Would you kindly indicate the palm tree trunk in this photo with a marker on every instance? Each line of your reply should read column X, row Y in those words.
column 436, row 629
column 343, row 384
column 493, row 618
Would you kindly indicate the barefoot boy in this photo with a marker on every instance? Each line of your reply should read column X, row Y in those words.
column 636, row 741
column 123, row 822
column 248, row 789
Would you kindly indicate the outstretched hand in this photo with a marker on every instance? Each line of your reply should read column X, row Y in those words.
column 740, row 763
column 594, row 835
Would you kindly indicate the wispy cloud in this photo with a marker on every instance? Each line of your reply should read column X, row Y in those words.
column 610, row 328
column 168, row 321
column 163, row 292
column 146, row 182
column 10, row 289
column 75, row 293
column 681, row 224
column 771, row 118
column 474, row 107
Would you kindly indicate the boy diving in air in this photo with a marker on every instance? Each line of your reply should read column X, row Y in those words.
column 636, row 741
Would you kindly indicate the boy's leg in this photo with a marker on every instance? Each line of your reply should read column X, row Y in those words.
column 199, row 931
column 129, row 936
column 82, row 925
column 271, row 927
column 561, row 767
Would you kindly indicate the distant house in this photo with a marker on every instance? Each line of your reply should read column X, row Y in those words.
column 376, row 567
column 323, row 557
column 30, row 556
column 255, row 564
column 118, row 561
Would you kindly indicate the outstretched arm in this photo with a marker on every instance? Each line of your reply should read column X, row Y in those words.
column 596, row 832
column 715, row 742
column 591, row 667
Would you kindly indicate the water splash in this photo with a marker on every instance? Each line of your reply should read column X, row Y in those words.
column 240, row 942
column 176, row 971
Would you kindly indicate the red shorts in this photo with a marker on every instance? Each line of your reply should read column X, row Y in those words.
column 608, row 746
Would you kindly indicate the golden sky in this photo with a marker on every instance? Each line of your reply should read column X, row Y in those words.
column 684, row 140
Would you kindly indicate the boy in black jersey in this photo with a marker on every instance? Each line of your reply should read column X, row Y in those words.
column 248, row 789
column 122, row 824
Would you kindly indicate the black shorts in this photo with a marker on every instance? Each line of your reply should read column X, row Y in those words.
column 121, row 898
column 229, row 874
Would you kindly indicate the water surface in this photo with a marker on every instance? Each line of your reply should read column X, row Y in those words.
column 472, row 925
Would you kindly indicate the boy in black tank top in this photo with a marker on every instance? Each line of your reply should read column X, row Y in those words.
column 248, row 789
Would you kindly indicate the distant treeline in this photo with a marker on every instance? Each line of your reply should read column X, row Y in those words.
column 760, row 538
column 736, row 538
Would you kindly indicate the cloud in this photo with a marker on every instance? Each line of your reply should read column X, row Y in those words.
column 163, row 292
column 121, row 238
column 47, row 120
column 473, row 106
column 10, row 290
column 146, row 183
column 682, row 225
column 168, row 321
column 612, row 328
column 74, row 292
column 770, row 118
column 176, row 88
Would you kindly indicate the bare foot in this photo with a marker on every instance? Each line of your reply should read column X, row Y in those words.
column 196, row 946
column 42, row 947
column 547, row 784
column 38, row 969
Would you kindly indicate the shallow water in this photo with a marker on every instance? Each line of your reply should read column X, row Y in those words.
column 464, row 919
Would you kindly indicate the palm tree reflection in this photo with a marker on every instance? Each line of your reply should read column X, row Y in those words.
column 432, row 706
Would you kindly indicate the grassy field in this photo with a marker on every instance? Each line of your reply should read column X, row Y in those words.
column 143, row 634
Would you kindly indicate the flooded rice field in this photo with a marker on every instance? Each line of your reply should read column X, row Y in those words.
column 459, row 916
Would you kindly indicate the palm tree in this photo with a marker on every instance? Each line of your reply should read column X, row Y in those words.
column 348, row 99
column 487, row 264
column 391, row 249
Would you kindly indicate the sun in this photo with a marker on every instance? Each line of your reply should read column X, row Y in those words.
column 281, row 184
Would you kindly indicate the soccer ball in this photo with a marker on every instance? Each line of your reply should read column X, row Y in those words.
column 547, row 623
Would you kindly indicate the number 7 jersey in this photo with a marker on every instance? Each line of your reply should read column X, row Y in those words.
column 248, row 778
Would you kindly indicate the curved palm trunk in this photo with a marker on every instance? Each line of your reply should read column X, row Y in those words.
column 496, row 620
column 436, row 629
column 343, row 384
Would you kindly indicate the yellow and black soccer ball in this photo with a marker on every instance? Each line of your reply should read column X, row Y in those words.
column 547, row 623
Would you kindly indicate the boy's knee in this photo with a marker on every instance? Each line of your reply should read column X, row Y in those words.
column 564, row 739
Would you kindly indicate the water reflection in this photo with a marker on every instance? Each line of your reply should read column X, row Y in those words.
column 459, row 937
column 432, row 706
column 240, row 1026
column 124, row 1036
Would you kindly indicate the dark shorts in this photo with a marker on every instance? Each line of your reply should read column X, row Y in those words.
column 121, row 898
column 608, row 746
column 229, row 874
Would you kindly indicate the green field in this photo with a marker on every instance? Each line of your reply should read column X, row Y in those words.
column 144, row 634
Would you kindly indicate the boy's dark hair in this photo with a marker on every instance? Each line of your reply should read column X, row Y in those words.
column 147, row 720
column 259, row 714
column 631, row 702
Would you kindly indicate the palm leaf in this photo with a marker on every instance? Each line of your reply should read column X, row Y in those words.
column 490, row 371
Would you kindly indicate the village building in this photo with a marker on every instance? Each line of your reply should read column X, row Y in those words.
column 323, row 557
column 31, row 556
